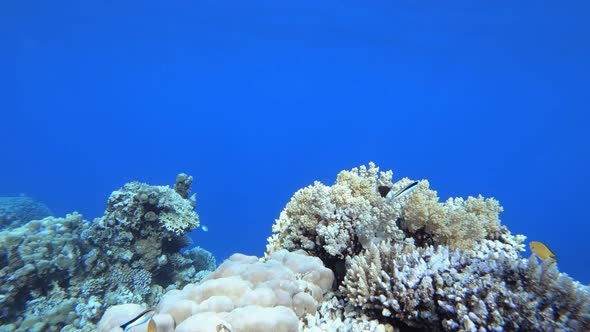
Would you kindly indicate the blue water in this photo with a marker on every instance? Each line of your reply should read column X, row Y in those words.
column 257, row 99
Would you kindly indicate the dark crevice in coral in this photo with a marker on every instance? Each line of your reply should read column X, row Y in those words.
column 9, row 313
column 175, row 244
column 401, row 326
column 4, row 260
column 164, row 275
column 421, row 237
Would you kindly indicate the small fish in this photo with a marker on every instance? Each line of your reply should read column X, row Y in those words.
column 204, row 228
column 542, row 251
column 151, row 325
column 385, row 191
column 140, row 319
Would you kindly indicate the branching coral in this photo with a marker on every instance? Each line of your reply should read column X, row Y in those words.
column 404, row 263
column 338, row 221
column 342, row 220
column 457, row 223
column 487, row 287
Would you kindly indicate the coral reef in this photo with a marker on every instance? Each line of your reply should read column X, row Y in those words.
column 343, row 257
column 15, row 211
column 243, row 294
column 71, row 269
column 420, row 264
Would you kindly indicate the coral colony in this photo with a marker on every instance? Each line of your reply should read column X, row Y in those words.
column 364, row 254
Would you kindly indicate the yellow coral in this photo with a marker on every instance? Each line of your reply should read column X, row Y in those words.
column 457, row 223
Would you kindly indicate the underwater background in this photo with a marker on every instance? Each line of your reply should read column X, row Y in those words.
column 257, row 99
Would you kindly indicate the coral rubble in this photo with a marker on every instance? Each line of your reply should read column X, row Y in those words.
column 61, row 273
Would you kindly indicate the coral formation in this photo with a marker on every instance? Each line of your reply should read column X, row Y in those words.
column 489, row 287
column 334, row 222
column 183, row 185
column 15, row 211
column 418, row 263
column 139, row 207
column 72, row 269
column 243, row 294
column 342, row 220
column 457, row 223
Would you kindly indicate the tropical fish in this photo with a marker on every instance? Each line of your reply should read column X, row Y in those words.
column 542, row 251
column 142, row 318
column 386, row 192
column 151, row 325
column 204, row 228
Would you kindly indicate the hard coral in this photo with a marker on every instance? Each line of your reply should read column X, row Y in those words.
column 457, row 222
column 245, row 294
column 18, row 210
column 130, row 254
column 139, row 205
column 488, row 287
column 340, row 221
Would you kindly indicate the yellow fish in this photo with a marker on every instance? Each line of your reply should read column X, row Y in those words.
column 542, row 251
column 152, row 325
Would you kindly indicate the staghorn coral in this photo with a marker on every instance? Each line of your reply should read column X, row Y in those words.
column 243, row 294
column 72, row 269
column 488, row 287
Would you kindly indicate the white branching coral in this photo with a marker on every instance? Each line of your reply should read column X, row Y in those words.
column 487, row 287
column 338, row 220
